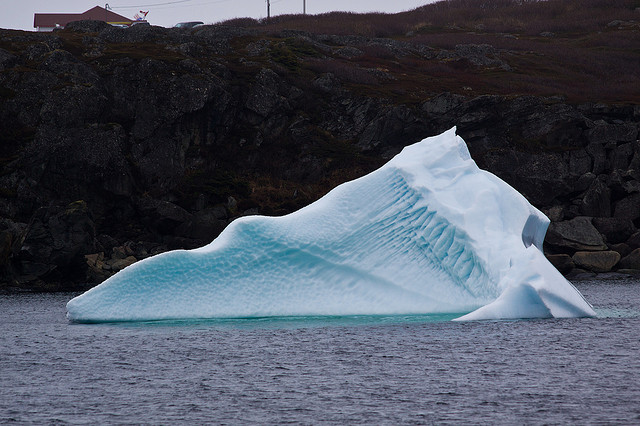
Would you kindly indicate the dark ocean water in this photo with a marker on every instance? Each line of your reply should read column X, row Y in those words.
column 356, row 370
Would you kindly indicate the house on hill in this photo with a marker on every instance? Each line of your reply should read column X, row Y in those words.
column 51, row 21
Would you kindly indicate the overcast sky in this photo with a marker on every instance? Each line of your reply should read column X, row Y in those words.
column 18, row 14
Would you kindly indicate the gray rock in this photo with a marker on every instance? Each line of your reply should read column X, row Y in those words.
column 621, row 248
column 634, row 241
column 597, row 200
column 258, row 48
column 6, row 60
column 555, row 213
column 615, row 230
column 628, row 207
column 599, row 261
column 576, row 234
column 599, row 157
column 631, row 261
column 264, row 94
column 73, row 106
column 631, row 186
column 327, row 83
column 134, row 34
column 620, row 157
column 217, row 37
column 119, row 264
column 86, row 26
column 603, row 133
column 584, row 182
column 157, row 111
column 554, row 124
column 580, row 162
column 349, row 52
column 205, row 225
column 562, row 262
column 541, row 177
column 483, row 55
column 162, row 216
column 442, row 103
column 55, row 243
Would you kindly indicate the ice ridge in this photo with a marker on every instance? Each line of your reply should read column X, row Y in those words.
column 429, row 232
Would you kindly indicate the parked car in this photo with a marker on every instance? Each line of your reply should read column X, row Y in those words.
column 190, row 24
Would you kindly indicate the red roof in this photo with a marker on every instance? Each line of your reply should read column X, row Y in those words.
column 50, row 20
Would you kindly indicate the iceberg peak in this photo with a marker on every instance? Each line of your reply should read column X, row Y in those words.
column 429, row 232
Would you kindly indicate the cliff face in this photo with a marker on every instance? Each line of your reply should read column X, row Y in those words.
column 117, row 144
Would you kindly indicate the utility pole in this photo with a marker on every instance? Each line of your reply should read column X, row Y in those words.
column 304, row 7
column 268, row 10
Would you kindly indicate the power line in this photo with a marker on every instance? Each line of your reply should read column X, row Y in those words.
column 151, row 5
column 195, row 4
column 170, row 4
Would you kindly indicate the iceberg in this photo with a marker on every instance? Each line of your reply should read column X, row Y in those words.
column 429, row 232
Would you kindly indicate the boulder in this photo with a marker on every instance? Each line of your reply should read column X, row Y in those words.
column 614, row 229
column 205, row 225
column 631, row 261
column 96, row 271
column 575, row 234
column 599, row 261
column 139, row 249
column 163, row 217
column 580, row 162
column 584, row 182
column 621, row 248
column 555, row 213
column 634, row 241
column 628, row 208
column 563, row 262
column 119, row 252
column 620, row 157
column 119, row 264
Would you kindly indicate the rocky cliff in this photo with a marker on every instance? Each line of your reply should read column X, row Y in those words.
column 117, row 144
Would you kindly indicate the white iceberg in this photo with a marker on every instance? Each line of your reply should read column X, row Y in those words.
column 429, row 232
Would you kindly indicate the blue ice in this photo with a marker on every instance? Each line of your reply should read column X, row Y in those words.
column 429, row 232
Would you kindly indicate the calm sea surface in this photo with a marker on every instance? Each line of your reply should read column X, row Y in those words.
column 373, row 370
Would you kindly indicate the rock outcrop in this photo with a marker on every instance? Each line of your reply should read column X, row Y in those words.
column 118, row 144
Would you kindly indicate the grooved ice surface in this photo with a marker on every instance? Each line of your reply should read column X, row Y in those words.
column 429, row 232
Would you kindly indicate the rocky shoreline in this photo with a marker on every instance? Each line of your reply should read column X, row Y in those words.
column 118, row 144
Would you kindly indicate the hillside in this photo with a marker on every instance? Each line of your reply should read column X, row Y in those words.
column 116, row 144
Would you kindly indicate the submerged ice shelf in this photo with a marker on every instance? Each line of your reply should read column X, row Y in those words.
column 429, row 232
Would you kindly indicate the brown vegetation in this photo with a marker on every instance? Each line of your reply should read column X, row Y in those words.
column 527, row 17
column 582, row 50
